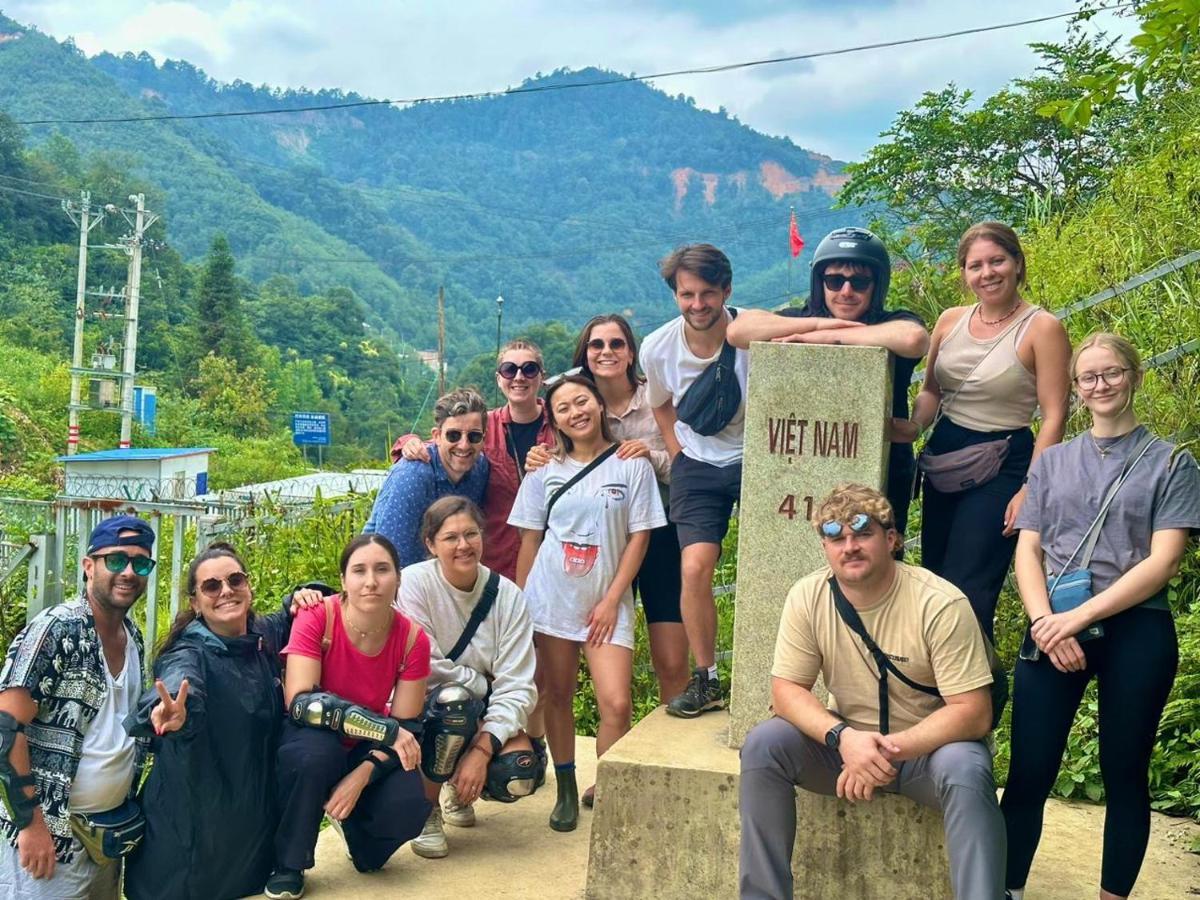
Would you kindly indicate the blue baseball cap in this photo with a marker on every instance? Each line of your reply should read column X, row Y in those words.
column 108, row 534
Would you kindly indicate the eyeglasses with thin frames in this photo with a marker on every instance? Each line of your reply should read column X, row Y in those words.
column 1113, row 377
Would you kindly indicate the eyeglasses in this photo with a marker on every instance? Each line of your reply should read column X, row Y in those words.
column 454, row 435
column 117, row 561
column 835, row 282
column 508, row 370
column 211, row 587
column 1112, row 377
column 555, row 380
column 615, row 344
column 858, row 523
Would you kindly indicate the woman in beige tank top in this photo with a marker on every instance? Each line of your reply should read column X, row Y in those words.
column 991, row 365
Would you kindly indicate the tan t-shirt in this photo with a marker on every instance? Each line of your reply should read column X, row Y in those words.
column 923, row 623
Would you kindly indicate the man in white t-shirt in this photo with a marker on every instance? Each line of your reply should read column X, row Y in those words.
column 69, row 680
column 706, row 466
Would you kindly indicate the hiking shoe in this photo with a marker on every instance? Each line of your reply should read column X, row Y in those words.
column 431, row 842
column 285, row 884
column 460, row 815
column 701, row 695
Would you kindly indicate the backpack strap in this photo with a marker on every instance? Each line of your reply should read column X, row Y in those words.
column 327, row 639
column 478, row 614
column 414, row 631
column 576, row 478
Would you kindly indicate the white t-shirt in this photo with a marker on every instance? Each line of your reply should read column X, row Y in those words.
column 670, row 368
column 105, row 771
column 589, row 529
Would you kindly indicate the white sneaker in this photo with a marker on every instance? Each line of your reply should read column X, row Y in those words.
column 431, row 842
column 460, row 815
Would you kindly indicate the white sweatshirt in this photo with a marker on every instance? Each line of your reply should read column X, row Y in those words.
column 500, row 652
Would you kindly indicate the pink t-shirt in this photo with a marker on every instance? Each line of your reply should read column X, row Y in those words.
column 350, row 673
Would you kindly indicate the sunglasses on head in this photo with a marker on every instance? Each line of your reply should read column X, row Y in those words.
column 454, row 435
column 858, row 523
column 508, row 370
column 117, row 561
column 597, row 344
column 835, row 282
column 211, row 587
column 555, row 380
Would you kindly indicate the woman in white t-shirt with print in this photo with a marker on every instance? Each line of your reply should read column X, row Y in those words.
column 576, row 567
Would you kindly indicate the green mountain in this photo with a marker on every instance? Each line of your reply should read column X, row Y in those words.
column 559, row 200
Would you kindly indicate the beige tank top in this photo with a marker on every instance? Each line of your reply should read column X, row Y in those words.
column 1000, row 393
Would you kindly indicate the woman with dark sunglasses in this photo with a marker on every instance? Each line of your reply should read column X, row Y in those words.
column 213, row 718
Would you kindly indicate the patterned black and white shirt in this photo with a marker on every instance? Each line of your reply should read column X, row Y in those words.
column 58, row 659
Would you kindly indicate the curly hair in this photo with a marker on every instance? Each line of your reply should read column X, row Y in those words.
column 849, row 499
column 459, row 402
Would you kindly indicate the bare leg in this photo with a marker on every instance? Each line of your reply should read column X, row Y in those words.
column 558, row 661
column 611, row 668
column 669, row 655
column 697, row 606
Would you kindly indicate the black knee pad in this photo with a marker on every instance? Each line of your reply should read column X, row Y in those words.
column 511, row 776
column 451, row 719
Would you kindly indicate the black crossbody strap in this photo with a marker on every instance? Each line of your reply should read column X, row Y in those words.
column 478, row 614
column 577, row 477
column 854, row 622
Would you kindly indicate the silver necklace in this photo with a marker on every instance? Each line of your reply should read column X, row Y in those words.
column 1105, row 451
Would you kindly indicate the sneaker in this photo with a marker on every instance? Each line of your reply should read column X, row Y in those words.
column 701, row 695
column 285, row 884
column 431, row 842
column 460, row 815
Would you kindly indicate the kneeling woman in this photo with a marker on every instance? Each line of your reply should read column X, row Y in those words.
column 586, row 519
column 345, row 751
column 481, row 661
column 213, row 716
column 1133, row 653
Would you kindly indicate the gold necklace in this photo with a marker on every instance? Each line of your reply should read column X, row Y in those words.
column 365, row 634
column 1008, row 315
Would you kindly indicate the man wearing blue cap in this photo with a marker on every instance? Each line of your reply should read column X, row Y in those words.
column 67, row 767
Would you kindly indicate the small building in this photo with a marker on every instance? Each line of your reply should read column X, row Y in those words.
column 153, row 475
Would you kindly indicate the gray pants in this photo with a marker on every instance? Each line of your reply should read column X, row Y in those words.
column 956, row 778
column 80, row 879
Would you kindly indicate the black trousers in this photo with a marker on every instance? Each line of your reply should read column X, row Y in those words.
column 1134, row 663
column 961, row 537
column 310, row 763
column 659, row 581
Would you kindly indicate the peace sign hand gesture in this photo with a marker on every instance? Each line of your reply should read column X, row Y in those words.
column 169, row 714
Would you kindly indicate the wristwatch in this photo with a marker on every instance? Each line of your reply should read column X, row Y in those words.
column 833, row 737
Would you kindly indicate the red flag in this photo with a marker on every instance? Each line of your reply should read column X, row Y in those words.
column 794, row 238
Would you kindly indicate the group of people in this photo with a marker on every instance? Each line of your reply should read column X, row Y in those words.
column 516, row 540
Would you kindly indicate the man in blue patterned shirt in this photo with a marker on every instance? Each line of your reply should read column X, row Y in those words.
column 456, row 466
column 69, row 679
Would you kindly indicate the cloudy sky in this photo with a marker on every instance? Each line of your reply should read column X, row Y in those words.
column 836, row 105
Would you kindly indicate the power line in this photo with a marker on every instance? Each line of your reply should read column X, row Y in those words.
column 545, row 88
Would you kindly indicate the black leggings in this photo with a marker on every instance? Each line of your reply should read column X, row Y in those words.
column 961, row 537
column 1134, row 663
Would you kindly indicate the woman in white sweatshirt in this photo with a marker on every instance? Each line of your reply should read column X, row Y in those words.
column 494, row 666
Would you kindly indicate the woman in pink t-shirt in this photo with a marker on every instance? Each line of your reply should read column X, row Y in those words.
column 354, row 665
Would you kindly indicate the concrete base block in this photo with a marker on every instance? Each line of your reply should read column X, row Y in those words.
column 666, row 827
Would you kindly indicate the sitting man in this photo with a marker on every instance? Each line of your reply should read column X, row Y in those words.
column 851, row 271
column 927, row 747
column 456, row 465
column 71, row 677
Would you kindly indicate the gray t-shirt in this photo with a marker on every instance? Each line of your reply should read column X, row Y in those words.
column 1068, row 483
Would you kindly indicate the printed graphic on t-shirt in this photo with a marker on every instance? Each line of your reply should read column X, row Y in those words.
column 578, row 524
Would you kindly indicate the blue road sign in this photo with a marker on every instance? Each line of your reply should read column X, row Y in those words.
column 310, row 429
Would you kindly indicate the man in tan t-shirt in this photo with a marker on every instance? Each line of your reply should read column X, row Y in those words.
column 929, row 748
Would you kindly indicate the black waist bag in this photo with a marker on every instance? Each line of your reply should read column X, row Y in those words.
column 713, row 399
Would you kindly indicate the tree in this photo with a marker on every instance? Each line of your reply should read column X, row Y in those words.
column 222, row 328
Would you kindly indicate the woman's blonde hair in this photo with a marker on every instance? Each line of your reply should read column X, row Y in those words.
column 849, row 499
column 521, row 344
column 1121, row 348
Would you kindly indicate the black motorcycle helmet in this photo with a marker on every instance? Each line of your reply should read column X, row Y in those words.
column 850, row 245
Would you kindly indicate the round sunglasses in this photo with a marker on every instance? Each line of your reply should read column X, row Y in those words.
column 454, row 435
column 508, row 370
column 615, row 344
column 117, row 561
column 211, row 587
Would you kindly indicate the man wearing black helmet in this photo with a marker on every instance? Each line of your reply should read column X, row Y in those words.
column 851, row 270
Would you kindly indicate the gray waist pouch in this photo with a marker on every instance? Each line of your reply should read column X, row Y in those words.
column 962, row 469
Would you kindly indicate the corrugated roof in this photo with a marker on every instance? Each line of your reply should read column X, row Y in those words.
column 136, row 453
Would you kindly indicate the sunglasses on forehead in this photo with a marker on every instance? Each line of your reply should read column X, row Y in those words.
column 508, row 370
column 211, row 587
column 555, row 380
column 835, row 282
column 597, row 344
column 117, row 561
column 858, row 523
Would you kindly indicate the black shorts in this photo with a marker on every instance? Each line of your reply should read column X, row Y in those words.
column 702, row 498
column 658, row 582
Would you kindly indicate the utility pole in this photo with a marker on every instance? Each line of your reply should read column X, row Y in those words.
column 81, row 216
column 499, row 321
column 441, row 341
column 133, row 247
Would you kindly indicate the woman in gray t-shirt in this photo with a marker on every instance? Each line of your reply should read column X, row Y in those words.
column 1141, row 543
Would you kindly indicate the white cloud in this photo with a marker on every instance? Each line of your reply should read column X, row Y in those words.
column 835, row 105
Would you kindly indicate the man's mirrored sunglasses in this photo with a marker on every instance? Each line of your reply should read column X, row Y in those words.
column 858, row 523
column 835, row 282
column 508, row 370
column 116, row 562
column 453, row 435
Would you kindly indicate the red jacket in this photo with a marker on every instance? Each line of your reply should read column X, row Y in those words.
column 501, row 540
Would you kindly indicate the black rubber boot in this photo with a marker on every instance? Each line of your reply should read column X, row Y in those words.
column 566, row 811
